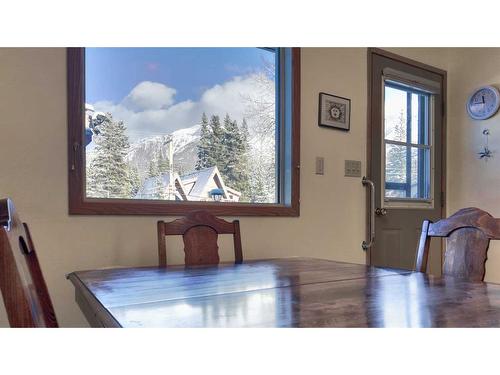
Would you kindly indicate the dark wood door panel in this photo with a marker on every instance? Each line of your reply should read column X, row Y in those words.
column 385, row 69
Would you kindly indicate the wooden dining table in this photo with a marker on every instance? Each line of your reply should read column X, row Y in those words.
column 288, row 292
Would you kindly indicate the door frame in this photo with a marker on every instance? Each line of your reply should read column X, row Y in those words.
column 390, row 55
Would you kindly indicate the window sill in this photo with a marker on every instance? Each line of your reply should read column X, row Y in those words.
column 148, row 207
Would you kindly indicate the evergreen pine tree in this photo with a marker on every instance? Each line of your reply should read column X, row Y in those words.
column 227, row 147
column 153, row 169
column 108, row 173
column 162, row 164
column 210, row 148
column 233, row 167
column 204, row 144
column 244, row 160
column 227, row 160
column 135, row 181
column 216, row 148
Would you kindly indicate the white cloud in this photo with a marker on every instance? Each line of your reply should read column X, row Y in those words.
column 149, row 109
column 149, row 95
column 229, row 97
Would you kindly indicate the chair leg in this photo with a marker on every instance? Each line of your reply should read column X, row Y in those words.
column 162, row 246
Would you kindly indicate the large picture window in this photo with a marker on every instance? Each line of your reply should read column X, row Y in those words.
column 167, row 130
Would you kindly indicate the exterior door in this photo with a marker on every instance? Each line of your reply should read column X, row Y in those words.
column 406, row 157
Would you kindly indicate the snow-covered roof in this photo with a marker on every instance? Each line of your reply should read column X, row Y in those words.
column 202, row 179
column 148, row 188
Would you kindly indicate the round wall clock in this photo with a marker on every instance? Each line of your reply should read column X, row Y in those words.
column 483, row 103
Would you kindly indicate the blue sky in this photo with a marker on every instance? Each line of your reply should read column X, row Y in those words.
column 156, row 91
column 111, row 73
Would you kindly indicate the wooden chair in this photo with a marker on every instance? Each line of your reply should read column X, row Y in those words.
column 468, row 233
column 24, row 291
column 199, row 230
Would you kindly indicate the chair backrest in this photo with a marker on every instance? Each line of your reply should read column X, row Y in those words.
column 24, row 291
column 468, row 233
column 200, row 231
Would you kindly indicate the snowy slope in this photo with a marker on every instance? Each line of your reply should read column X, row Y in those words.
column 185, row 143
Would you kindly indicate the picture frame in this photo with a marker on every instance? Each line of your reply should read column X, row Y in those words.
column 334, row 112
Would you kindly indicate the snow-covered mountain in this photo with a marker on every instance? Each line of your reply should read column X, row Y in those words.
column 185, row 142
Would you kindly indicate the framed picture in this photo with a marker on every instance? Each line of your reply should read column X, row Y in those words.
column 334, row 111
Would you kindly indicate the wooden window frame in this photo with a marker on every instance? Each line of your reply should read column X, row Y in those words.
column 79, row 204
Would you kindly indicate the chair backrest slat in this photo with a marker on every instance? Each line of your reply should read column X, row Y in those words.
column 468, row 233
column 23, row 287
column 200, row 231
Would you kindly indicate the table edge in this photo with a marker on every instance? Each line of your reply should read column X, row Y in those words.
column 88, row 303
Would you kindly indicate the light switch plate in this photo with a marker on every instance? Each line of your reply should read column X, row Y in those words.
column 352, row 168
column 320, row 165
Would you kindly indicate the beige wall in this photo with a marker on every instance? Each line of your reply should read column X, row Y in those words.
column 474, row 182
column 33, row 172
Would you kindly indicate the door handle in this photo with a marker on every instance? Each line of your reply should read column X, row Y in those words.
column 366, row 245
column 380, row 211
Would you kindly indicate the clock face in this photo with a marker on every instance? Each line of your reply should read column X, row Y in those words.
column 483, row 103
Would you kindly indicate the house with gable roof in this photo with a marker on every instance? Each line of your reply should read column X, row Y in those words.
column 196, row 186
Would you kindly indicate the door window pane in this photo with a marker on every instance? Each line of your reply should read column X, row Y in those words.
column 406, row 172
column 395, row 163
column 419, row 119
column 395, row 114
column 407, row 143
column 420, row 163
column 406, row 113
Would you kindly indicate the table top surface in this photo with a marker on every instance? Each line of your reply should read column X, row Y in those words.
column 289, row 292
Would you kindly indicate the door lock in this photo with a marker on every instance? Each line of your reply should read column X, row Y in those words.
column 380, row 211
